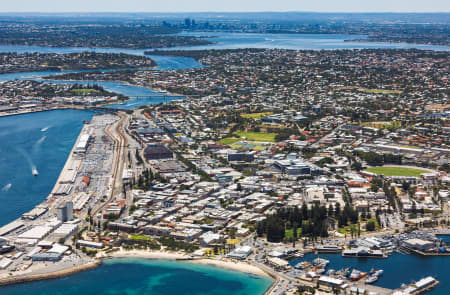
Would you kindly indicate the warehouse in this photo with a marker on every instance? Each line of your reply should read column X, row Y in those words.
column 38, row 232
column 157, row 152
column 64, row 231
column 82, row 144
column 418, row 244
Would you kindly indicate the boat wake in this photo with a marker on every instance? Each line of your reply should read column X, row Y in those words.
column 6, row 187
column 30, row 162
column 41, row 140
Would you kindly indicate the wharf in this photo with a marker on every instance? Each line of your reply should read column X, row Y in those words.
column 418, row 252
column 428, row 288
column 67, row 164
column 50, row 275
column 375, row 289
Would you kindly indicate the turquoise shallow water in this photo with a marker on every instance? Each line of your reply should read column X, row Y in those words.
column 23, row 146
column 141, row 276
column 398, row 268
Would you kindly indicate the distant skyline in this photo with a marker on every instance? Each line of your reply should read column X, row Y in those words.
column 225, row 6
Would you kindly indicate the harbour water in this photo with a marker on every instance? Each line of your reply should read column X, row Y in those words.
column 40, row 141
column 398, row 268
column 141, row 276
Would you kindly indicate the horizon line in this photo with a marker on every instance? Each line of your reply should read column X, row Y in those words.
column 261, row 11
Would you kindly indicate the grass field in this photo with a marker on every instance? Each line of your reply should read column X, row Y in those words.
column 248, row 145
column 229, row 140
column 366, row 90
column 257, row 136
column 396, row 171
column 84, row 91
column 142, row 238
column 384, row 125
column 383, row 91
column 255, row 115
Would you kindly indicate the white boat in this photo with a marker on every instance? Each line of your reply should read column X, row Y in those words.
column 35, row 172
column 44, row 129
column 321, row 262
column 379, row 273
column 371, row 279
column 320, row 271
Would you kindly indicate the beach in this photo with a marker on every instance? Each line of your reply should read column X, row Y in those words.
column 223, row 263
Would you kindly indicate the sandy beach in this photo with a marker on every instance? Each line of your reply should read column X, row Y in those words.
column 145, row 254
column 225, row 263
column 233, row 265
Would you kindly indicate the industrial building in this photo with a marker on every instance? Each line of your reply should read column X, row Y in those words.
column 418, row 244
column 82, row 144
column 65, row 213
column 157, row 152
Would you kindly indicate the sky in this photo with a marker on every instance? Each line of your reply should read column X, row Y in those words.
column 224, row 5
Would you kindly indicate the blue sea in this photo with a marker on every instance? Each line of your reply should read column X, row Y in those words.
column 142, row 276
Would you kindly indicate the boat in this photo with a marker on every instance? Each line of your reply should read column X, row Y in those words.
column 371, row 279
column 331, row 272
column 35, row 172
column 379, row 273
column 298, row 255
column 357, row 275
column 303, row 265
column 321, row 262
column 44, row 129
column 319, row 271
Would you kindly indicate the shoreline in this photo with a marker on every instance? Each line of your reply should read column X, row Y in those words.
column 49, row 276
column 229, row 264
column 238, row 266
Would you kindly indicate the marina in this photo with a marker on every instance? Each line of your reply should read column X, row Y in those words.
column 387, row 273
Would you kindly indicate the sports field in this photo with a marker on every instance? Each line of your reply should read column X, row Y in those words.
column 396, row 171
column 229, row 140
column 256, row 115
column 257, row 136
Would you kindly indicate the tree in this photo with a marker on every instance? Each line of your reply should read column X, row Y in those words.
column 370, row 226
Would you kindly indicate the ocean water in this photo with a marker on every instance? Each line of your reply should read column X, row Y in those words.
column 24, row 147
column 398, row 268
column 147, row 277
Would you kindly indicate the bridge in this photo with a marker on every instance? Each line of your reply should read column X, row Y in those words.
column 105, row 109
column 158, row 95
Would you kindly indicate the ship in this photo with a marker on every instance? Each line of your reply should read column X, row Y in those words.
column 35, row 172
column 357, row 275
